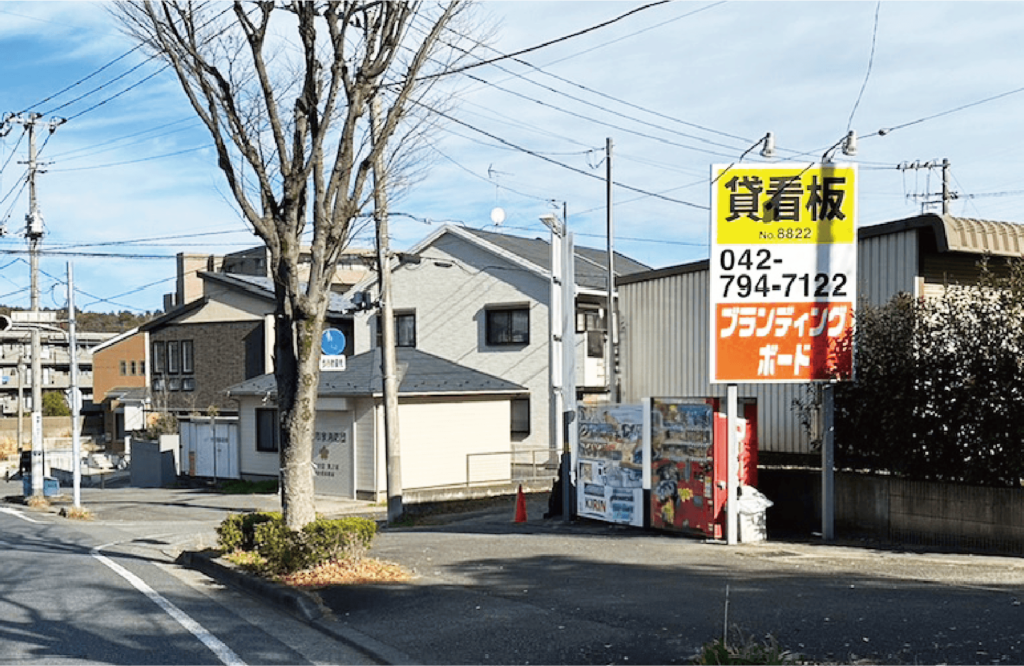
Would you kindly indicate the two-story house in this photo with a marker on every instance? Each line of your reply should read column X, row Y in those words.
column 480, row 299
column 186, row 358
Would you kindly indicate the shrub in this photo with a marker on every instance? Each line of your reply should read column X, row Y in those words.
column 283, row 551
column 238, row 531
column 54, row 404
column 333, row 539
column 939, row 384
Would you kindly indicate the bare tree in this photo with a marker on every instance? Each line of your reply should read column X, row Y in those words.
column 284, row 89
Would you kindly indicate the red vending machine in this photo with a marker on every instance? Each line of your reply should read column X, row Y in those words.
column 689, row 445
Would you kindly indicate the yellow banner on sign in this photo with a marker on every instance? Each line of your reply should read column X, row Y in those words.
column 769, row 204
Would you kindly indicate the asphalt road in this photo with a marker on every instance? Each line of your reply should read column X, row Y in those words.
column 108, row 591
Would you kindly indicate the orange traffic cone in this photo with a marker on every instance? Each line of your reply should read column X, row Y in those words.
column 521, row 506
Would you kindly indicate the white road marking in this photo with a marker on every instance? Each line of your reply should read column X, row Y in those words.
column 223, row 652
column 17, row 514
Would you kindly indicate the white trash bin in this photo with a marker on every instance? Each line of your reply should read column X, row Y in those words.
column 751, row 506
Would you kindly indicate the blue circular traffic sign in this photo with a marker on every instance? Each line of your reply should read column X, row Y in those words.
column 332, row 342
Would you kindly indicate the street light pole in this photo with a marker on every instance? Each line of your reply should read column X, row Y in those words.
column 562, row 351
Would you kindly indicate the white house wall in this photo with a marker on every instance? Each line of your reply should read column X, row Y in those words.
column 449, row 292
column 664, row 344
column 252, row 462
column 367, row 486
column 438, row 435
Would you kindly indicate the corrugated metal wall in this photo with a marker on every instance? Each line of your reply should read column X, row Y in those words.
column 665, row 336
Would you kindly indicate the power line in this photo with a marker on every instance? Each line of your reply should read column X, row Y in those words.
column 871, row 60
column 556, row 162
column 115, row 96
column 548, row 43
column 82, row 80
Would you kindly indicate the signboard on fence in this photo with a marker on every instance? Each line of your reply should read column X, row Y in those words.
column 610, row 463
column 783, row 272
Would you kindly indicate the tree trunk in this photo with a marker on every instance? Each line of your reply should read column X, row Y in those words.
column 297, row 371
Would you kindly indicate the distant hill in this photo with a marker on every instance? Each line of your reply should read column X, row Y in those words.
column 100, row 322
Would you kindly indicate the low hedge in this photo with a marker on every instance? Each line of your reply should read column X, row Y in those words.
column 282, row 550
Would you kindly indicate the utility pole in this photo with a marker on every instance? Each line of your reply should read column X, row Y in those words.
column 945, row 196
column 34, row 234
column 392, row 451
column 76, row 399
column 611, row 322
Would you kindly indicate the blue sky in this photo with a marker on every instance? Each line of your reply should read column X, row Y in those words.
column 677, row 87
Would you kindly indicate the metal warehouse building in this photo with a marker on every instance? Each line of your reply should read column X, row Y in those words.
column 664, row 313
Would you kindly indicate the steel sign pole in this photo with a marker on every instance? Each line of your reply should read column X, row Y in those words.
column 828, row 466
column 732, row 466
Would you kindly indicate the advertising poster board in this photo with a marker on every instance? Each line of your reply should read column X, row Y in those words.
column 783, row 272
column 682, row 465
column 610, row 463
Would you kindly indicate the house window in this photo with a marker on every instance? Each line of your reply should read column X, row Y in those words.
column 142, row 367
column 174, row 384
column 173, row 357
column 158, row 384
column 590, row 322
column 521, row 417
column 124, row 368
column 508, row 326
column 135, row 368
column 188, row 383
column 405, row 330
column 187, row 365
column 159, row 357
column 266, row 430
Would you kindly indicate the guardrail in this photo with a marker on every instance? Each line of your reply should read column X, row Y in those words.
column 504, row 466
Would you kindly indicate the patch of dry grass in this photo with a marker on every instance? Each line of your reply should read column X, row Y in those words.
column 37, row 502
column 76, row 513
column 352, row 571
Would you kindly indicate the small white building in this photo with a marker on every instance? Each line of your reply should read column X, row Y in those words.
column 454, row 427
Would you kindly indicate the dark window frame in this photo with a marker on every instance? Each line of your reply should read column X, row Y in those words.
column 187, row 349
column 262, row 414
column 401, row 340
column 173, row 357
column 507, row 326
column 159, row 357
column 517, row 423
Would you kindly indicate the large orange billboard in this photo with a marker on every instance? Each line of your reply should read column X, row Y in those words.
column 783, row 272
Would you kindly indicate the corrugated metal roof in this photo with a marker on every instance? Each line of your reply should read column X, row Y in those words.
column 964, row 234
column 419, row 373
column 960, row 234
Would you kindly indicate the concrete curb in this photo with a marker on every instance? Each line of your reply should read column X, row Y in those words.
column 304, row 605
column 296, row 602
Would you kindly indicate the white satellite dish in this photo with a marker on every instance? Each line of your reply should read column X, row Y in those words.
column 497, row 216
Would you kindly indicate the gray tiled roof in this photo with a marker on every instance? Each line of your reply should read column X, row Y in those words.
column 264, row 286
column 418, row 372
column 591, row 264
